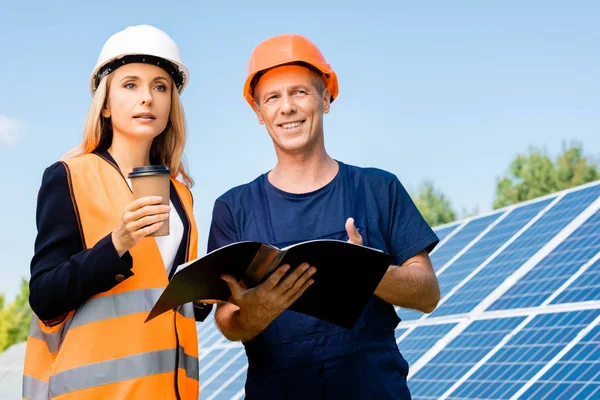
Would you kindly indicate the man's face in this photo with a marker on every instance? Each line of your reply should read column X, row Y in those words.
column 291, row 106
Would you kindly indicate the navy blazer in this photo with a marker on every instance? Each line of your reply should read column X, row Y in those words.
column 63, row 274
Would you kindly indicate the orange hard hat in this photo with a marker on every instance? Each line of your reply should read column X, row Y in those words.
column 287, row 49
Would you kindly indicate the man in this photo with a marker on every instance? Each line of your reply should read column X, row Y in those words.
column 309, row 195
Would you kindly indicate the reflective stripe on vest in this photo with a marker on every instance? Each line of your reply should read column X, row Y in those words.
column 139, row 365
column 53, row 339
column 101, row 308
column 104, row 349
column 34, row 389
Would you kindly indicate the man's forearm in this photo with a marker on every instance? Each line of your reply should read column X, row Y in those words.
column 409, row 286
column 228, row 320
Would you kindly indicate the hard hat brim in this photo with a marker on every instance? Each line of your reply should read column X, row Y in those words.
column 182, row 68
column 329, row 77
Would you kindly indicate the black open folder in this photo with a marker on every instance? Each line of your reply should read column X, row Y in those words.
column 347, row 276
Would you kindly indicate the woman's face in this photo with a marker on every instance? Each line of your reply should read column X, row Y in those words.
column 139, row 101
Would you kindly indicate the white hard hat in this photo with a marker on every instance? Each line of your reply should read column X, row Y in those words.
column 144, row 44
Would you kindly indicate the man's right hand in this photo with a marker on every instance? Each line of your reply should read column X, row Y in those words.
column 260, row 305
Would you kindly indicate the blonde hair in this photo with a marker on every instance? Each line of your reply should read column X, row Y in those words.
column 166, row 149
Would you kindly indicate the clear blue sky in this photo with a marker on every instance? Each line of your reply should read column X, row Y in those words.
column 439, row 90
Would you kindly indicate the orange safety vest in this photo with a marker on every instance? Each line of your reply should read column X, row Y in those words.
column 103, row 349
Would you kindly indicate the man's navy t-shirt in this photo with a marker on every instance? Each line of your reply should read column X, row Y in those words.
column 394, row 223
column 297, row 356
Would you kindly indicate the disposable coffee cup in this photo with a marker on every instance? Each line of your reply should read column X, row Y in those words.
column 152, row 180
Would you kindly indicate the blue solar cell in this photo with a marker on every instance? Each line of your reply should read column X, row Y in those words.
column 399, row 332
column 215, row 360
column 406, row 315
column 422, row 339
column 448, row 250
column 524, row 355
column 575, row 376
column 460, row 355
column 207, row 325
column 210, row 336
column 445, row 231
column 532, row 240
column 231, row 369
column 229, row 391
column 487, row 245
column 460, row 240
column 555, row 269
column 585, row 288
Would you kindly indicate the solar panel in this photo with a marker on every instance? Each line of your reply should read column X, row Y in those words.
column 460, row 240
column 462, row 353
column 444, row 255
column 523, row 355
column 557, row 217
column 416, row 342
column 519, row 315
column 575, row 375
column 554, row 269
column 586, row 286
column 487, row 245
column 230, row 376
column 443, row 232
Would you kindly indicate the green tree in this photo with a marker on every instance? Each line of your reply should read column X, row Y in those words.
column 3, row 325
column 15, row 318
column 433, row 205
column 535, row 174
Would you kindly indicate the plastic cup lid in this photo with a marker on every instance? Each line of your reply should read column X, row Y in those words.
column 149, row 170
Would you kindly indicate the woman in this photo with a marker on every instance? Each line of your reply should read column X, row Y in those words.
column 96, row 273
